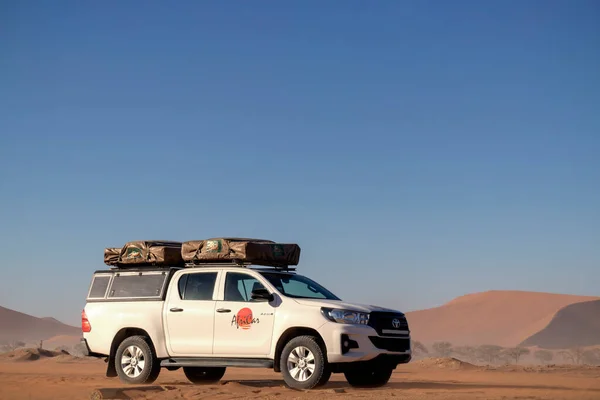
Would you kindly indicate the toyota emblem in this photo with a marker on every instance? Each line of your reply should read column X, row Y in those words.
column 396, row 323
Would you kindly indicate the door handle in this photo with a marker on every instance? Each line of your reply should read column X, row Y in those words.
column 176, row 309
column 223, row 310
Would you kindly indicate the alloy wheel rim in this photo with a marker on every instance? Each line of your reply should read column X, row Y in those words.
column 133, row 361
column 301, row 364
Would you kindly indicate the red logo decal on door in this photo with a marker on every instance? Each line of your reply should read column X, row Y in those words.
column 244, row 319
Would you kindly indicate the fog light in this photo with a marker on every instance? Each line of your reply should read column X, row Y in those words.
column 348, row 344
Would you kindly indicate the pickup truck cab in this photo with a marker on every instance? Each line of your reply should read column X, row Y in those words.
column 207, row 318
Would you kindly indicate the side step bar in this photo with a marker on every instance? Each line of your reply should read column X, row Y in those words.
column 217, row 362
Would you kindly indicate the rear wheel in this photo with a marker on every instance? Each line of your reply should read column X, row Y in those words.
column 303, row 364
column 372, row 376
column 135, row 362
column 200, row 375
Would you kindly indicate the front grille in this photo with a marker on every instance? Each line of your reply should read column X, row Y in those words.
column 383, row 323
column 390, row 344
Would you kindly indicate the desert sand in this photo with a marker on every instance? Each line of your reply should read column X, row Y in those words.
column 65, row 377
column 504, row 318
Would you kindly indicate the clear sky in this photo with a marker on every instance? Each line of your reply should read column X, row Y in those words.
column 416, row 151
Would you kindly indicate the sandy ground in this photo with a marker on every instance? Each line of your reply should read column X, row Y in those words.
column 67, row 378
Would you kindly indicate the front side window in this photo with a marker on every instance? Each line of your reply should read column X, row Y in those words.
column 239, row 286
column 197, row 286
column 298, row 286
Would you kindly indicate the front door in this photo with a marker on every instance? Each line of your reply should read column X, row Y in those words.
column 242, row 326
column 190, row 315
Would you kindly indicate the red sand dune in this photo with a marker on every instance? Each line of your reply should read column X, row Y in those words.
column 574, row 325
column 16, row 326
column 504, row 318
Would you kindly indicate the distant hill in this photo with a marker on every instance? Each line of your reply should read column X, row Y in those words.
column 504, row 318
column 574, row 325
column 17, row 326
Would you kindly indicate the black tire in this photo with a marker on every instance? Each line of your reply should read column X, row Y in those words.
column 320, row 370
column 151, row 366
column 204, row 375
column 369, row 377
column 325, row 378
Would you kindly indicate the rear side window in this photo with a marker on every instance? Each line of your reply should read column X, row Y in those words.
column 137, row 285
column 99, row 286
column 197, row 286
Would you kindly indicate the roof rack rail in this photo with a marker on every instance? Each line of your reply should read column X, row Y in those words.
column 235, row 263
column 146, row 267
column 225, row 263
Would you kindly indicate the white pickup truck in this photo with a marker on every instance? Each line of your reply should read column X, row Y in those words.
column 207, row 318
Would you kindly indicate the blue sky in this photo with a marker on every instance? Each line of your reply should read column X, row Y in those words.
column 416, row 151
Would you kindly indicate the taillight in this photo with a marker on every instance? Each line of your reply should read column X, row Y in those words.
column 85, row 324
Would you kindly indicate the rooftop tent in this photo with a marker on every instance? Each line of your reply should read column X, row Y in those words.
column 245, row 250
column 144, row 252
column 111, row 255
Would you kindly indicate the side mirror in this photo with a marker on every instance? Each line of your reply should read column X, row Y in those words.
column 262, row 294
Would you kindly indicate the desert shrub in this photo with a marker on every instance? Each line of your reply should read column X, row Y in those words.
column 515, row 353
column 591, row 357
column 544, row 356
column 489, row 353
column 442, row 349
column 465, row 353
column 419, row 348
column 573, row 355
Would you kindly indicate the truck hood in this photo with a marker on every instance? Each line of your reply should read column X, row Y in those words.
column 344, row 305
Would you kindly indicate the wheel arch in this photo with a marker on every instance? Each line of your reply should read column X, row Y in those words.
column 121, row 335
column 291, row 333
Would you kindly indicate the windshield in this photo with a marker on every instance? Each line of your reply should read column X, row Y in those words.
column 298, row 286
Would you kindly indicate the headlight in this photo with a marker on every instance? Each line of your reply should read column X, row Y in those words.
column 345, row 316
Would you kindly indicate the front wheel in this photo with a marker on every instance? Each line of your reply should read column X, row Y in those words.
column 135, row 362
column 204, row 375
column 369, row 377
column 303, row 364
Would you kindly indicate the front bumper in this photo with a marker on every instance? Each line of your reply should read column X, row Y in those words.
column 355, row 343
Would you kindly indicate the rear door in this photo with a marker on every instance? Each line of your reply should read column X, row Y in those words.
column 243, row 326
column 190, row 314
